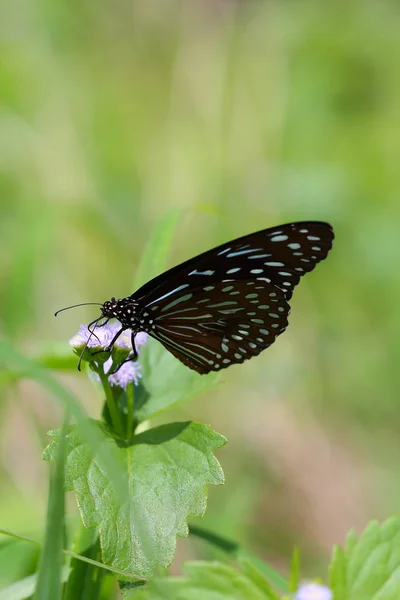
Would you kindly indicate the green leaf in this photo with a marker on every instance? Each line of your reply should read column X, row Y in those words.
column 369, row 567
column 167, row 469
column 269, row 572
column 337, row 574
column 49, row 583
column 25, row 588
column 155, row 255
column 242, row 556
column 57, row 356
column 168, row 381
column 248, row 568
column 205, row 581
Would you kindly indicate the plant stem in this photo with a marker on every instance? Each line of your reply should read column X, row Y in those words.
column 130, row 398
column 214, row 539
column 116, row 421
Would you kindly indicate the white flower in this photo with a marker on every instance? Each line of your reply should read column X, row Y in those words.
column 127, row 373
column 101, row 338
column 313, row 591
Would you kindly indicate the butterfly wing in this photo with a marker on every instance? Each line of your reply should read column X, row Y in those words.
column 213, row 327
column 230, row 303
column 280, row 255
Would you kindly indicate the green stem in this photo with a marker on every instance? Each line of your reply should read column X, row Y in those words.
column 130, row 399
column 214, row 539
column 115, row 418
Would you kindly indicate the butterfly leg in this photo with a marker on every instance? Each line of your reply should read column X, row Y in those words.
column 111, row 344
column 132, row 357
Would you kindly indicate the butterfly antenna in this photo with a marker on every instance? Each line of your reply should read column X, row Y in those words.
column 88, row 340
column 75, row 305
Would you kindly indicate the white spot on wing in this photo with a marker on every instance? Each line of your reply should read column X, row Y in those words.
column 239, row 252
column 209, row 272
column 178, row 289
column 177, row 301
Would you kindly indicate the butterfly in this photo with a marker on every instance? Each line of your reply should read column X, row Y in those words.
column 226, row 305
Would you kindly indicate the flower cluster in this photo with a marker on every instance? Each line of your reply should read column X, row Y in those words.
column 129, row 371
column 313, row 591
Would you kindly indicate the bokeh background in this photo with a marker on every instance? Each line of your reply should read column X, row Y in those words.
column 245, row 115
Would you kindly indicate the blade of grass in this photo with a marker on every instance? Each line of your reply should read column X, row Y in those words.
column 294, row 571
column 49, row 585
column 74, row 555
column 85, row 579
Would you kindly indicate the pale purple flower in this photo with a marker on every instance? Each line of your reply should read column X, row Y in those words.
column 140, row 340
column 105, row 335
column 129, row 371
column 313, row 591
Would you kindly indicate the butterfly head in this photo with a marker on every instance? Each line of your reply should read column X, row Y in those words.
column 110, row 309
column 124, row 310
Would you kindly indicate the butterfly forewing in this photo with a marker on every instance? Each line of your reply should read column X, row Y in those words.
column 228, row 304
column 280, row 254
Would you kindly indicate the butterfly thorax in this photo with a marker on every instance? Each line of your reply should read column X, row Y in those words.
column 125, row 310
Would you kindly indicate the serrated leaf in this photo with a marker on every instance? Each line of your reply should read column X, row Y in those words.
column 168, row 381
column 369, row 567
column 167, row 469
column 203, row 581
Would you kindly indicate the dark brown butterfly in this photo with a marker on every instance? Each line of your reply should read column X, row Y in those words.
column 229, row 303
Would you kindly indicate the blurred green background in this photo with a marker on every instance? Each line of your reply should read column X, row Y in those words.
column 246, row 115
